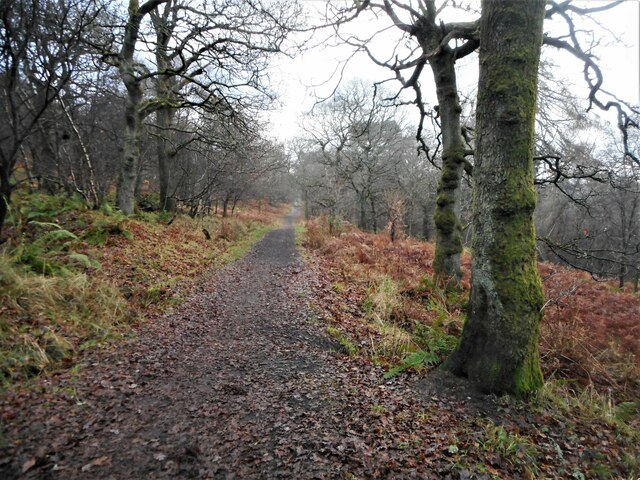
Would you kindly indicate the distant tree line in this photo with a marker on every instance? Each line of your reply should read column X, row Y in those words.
column 358, row 161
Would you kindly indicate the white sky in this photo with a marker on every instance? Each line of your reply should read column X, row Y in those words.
column 301, row 80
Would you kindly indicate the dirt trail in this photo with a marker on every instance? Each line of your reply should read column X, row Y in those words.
column 241, row 381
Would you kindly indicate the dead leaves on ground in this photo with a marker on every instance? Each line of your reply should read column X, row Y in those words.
column 589, row 333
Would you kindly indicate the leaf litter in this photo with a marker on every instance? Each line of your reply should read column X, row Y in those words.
column 242, row 381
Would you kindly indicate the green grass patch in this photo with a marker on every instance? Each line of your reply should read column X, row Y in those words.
column 241, row 247
column 347, row 345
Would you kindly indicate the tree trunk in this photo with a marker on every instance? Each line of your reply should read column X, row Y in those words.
column 85, row 156
column 498, row 350
column 374, row 214
column 448, row 230
column 125, row 194
column 164, row 150
column 426, row 229
column 622, row 273
column 225, row 208
column 164, row 24
column 363, row 212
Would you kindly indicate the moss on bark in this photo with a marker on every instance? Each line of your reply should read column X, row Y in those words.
column 498, row 350
column 448, row 229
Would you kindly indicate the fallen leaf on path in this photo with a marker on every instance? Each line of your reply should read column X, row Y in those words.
column 98, row 462
column 28, row 465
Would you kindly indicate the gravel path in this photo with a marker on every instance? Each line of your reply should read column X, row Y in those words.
column 241, row 381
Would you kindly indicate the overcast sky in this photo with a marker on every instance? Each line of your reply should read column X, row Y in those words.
column 301, row 80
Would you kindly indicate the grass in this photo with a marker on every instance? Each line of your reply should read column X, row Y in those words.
column 300, row 232
column 572, row 398
column 589, row 332
column 347, row 345
column 72, row 279
column 243, row 244
column 46, row 320
column 405, row 317
column 511, row 447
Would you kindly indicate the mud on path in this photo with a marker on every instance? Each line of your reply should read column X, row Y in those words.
column 241, row 381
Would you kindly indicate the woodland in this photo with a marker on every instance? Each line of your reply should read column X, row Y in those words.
column 430, row 280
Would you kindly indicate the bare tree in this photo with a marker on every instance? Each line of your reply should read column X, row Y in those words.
column 434, row 40
column 426, row 40
column 359, row 145
column 209, row 57
column 595, row 225
column 42, row 45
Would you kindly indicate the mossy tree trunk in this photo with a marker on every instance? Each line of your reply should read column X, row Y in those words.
column 448, row 230
column 499, row 345
column 435, row 39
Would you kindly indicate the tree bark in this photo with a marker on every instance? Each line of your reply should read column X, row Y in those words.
column 225, row 207
column 498, row 350
column 125, row 194
column 165, row 154
column 374, row 214
column 426, row 228
column 164, row 24
column 448, row 230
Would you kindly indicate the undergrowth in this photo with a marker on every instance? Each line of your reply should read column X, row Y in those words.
column 404, row 321
column 380, row 294
column 73, row 279
column 44, row 320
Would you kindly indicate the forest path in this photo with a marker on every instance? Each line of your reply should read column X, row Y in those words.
column 240, row 381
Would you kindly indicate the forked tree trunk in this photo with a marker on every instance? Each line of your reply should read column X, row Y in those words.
column 126, row 189
column 498, row 350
